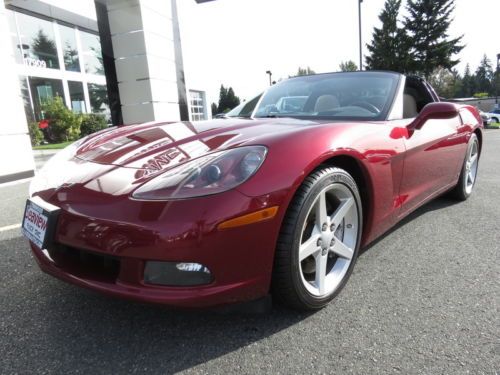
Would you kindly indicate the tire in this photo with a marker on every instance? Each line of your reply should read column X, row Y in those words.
column 468, row 174
column 494, row 119
column 321, row 232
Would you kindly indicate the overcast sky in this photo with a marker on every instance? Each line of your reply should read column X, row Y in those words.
column 234, row 42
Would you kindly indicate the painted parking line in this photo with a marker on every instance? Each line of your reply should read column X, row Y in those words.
column 10, row 227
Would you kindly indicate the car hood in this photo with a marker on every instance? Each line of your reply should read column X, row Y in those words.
column 156, row 146
column 117, row 160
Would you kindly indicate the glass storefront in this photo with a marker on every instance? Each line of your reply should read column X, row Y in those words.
column 43, row 90
column 37, row 42
column 77, row 96
column 25, row 94
column 91, row 49
column 70, row 49
column 57, row 60
column 98, row 98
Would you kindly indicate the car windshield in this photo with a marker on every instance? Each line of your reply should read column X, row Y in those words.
column 353, row 95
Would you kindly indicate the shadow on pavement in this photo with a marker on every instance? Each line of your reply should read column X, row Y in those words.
column 436, row 204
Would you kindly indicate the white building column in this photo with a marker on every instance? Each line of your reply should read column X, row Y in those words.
column 16, row 155
column 144, row 47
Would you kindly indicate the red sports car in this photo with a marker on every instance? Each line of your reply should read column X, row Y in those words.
column 279, row 200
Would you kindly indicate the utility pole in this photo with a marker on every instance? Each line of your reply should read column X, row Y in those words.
column 360, row 37
column 497, row 79
column 270, row 77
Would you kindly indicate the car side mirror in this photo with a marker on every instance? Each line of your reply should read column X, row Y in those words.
column 434, row 111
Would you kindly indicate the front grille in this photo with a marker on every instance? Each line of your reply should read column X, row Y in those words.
column 85, row 264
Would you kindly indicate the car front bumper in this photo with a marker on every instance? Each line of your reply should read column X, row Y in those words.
column 121, row 237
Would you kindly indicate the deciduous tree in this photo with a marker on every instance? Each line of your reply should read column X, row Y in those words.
column 304, row 72
column 348, row 66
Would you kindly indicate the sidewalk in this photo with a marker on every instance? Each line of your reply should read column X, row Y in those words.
column 41, row 157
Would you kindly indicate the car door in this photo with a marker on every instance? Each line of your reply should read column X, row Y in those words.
column 432, row 159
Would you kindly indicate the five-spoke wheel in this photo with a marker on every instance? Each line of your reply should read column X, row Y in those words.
column 471, row 164
column 329, row 235
column 319, row 240
column 468, row 175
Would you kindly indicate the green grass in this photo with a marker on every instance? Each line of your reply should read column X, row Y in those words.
column 52, row 146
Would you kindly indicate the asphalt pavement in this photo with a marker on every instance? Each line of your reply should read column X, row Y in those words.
column 424, row 299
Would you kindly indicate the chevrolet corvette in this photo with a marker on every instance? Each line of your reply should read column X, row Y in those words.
column 276, row 201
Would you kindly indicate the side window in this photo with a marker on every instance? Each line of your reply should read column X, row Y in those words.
column 416, row 97
column 247, row 110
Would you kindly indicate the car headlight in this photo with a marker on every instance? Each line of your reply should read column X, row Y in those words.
column 207, row 175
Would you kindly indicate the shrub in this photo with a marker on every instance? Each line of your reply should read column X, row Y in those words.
column 64, row 125
column 481, row 95
column 36, row 135
column 92, row 123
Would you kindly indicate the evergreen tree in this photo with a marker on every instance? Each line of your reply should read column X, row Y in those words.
column 348, row 66
column 496, row 82
column 484, row 77
column 468, row 85
column 227, row 99
column 388, row 49
column 45, row 49
column 71, row 58
column 214, row 109
column 232, row 99
column 457, row 83
column 222, row 99
column 427, row 30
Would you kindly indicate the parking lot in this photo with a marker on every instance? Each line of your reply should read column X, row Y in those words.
column 424, row 299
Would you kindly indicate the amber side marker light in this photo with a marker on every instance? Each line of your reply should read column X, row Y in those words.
column 254, row 217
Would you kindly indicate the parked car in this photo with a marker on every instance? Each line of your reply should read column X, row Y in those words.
column 494, row 115
column 486, row 118
column 222, row 211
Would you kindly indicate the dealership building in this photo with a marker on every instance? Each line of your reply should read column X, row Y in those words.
column 119, row 58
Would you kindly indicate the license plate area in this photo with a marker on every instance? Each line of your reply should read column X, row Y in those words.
column 39, row 222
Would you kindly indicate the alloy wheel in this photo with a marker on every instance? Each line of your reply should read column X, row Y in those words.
column 471, row 166
column 329, row 237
